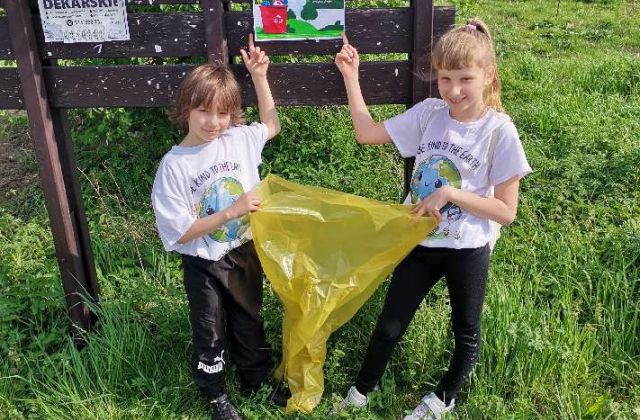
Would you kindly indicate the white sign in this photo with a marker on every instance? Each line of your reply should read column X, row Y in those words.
column 84, row 20
column 282, row 20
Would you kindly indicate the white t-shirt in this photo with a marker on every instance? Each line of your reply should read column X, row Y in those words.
column 449, row 152
column 194, row 182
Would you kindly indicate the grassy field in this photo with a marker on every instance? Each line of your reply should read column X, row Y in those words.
column 562, row 315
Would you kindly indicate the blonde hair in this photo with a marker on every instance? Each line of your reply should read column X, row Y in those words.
column 205, row 85
column 466, row 45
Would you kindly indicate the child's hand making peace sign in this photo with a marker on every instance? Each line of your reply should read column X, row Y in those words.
column 256, row 60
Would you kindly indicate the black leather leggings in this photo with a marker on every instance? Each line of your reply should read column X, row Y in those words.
column 465, row 271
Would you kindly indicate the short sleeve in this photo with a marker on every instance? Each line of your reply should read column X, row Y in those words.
column 406, row 129
column 255, row 136
column 171, row 207
column 509, row 158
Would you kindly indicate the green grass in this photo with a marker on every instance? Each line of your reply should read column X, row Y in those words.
column 562, row 315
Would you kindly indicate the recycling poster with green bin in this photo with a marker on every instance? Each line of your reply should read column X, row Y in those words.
column 298, row 19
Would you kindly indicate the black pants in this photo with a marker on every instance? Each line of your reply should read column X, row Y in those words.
column 465, row 271
column 230, row 288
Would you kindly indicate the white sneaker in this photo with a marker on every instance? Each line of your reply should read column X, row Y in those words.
column 353, row 399
column 430, row 408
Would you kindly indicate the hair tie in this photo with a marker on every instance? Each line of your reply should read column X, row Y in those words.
column 470, row 27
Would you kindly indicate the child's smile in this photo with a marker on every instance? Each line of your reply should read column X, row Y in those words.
column 206, row 125
column 462, row 90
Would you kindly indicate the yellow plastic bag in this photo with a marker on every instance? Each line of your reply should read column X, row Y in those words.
column 324, row 252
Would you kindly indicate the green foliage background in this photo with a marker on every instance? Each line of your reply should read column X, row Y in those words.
column 562, row 317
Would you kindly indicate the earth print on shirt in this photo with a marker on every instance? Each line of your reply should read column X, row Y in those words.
column 220, row 195
column 431, row 174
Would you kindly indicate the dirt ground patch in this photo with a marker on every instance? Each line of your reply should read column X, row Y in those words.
column 18, row 168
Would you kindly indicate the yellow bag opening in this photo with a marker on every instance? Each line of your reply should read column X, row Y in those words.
column 324, row 252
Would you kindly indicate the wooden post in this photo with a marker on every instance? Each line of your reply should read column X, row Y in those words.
column 421, row 55
column 420, row 58
column 215, row 34
column 64, row 218
column 76, row 206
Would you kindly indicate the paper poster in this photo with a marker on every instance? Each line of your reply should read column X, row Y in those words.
column 84, row 20
column 298, row 19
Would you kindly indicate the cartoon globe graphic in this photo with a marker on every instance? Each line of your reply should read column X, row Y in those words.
column 220, row 195
column 431, row 174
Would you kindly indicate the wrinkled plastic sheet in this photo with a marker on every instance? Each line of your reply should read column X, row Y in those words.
column 325, row 252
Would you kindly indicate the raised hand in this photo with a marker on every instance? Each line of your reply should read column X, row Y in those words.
column 347, row 60
column 256, row 60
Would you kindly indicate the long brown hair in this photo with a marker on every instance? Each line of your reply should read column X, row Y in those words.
column 205, row 85
column 466, row 45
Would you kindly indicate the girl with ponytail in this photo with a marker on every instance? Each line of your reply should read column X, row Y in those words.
column 468, row 166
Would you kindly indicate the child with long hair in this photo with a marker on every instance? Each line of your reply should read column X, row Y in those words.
column 468, row 166
column 201, row 197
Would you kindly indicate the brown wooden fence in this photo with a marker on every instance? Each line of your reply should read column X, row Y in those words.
column 47, row 80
